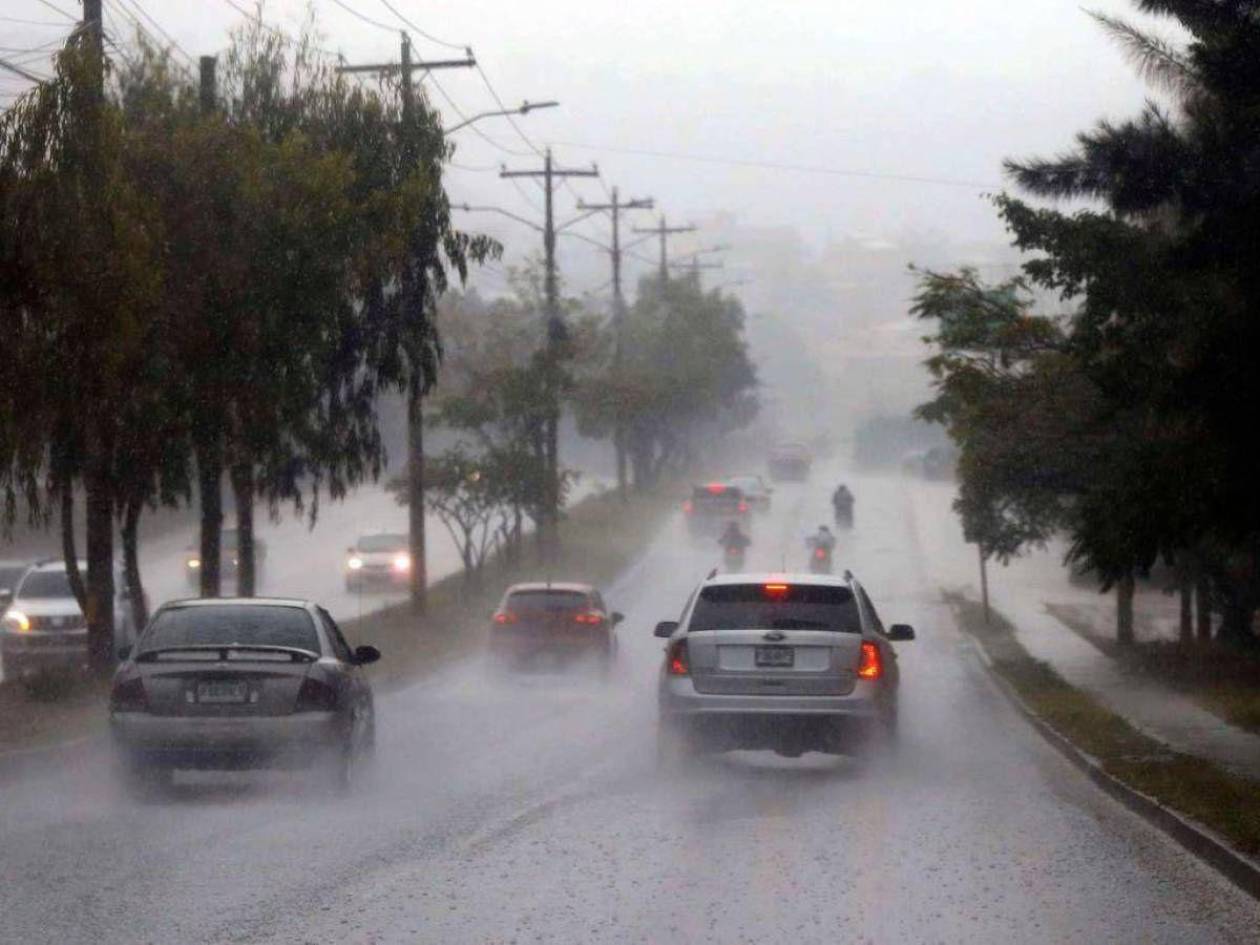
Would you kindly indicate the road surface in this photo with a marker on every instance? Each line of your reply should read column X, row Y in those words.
column 532, row 811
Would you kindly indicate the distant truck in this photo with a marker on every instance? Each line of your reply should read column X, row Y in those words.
column 790, row 462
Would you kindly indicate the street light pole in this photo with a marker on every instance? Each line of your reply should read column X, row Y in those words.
column 524, row 109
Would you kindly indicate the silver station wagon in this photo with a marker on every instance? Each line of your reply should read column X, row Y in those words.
column 791, row 663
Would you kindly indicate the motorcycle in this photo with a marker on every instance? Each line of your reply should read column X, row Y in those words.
column 820, row 560
column 844, row 514
column 733, row 557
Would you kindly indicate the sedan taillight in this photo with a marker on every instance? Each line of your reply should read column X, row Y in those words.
column 589, row 618
column 676, row 659
column 316, row 696
column 872, row 665
column 128, row 696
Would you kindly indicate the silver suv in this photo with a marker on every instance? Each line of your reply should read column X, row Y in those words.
column 44, row 630
column 791, row 663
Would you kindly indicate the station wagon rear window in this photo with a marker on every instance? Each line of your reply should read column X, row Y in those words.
column 222, row 626
column 775, row 607
column 546, row 601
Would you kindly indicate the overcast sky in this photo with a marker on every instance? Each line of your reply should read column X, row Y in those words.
column 918, row 88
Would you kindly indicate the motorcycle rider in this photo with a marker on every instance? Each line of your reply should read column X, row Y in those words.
column 842, row 498
column 824, row 538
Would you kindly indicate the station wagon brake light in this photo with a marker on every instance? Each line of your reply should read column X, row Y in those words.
column 872, row 666
column 676, row 659
column 775, row 590
column 504, row 617
column 715, row 488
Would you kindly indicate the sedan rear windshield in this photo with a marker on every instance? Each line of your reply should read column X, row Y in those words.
column 546, row 601
column 247, row 625
column 775, row 607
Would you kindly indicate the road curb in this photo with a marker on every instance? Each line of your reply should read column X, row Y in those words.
column 1241, row 870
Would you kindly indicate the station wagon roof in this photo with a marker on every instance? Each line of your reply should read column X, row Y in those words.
column 572, row 586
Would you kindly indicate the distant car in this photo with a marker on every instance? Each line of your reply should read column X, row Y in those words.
column 229, row 560
column 756, row 490
column 553, row 622
column 44, row 631
column 791, row 663
column 714, row 505
column 238, row 683
column 790, row 462
column 381, row 560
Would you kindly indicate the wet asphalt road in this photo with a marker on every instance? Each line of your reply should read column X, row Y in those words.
column 531, row 810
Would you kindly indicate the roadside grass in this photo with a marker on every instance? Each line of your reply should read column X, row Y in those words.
column 1222, row 679
column 600, row 537
column 1193, row 787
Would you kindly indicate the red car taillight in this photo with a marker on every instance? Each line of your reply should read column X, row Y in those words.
column 676, row 659
column 589, row 618
column 128, row 696
column 871, row 666
column 316, row 696
column 688, row 507
column 743, row 506
column 504, row 617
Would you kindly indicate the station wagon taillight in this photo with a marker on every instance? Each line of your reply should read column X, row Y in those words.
column 871, row 666
column 504, row 617
column 676, row 659
column 589, row 618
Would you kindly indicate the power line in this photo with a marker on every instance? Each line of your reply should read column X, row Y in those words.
column 364, row 17
column 429, row 36
column 783, row 166
column 124, row 5
column 511, row 121
column 17, row 19
column 56, row 9
column 477, row 131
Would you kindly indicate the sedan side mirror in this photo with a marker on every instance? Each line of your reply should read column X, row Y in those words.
column 366, row 654
column 665, row 629
column 617, row 617
column 900, row 632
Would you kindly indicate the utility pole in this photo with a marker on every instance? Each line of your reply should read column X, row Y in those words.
column 413, row 303
column 663, row 230
column 619, row 309
column 209, row 89
column 556, row 329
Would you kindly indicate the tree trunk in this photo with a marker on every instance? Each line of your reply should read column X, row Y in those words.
column 619, row 446
column 1124, row 610
column 1185, row 591
column 100, row 567
column 415, row 503
column 68, row 550
column 242, row 476
column 1203, row 607
column 1236, row 620
column 131, row 566
column 210, row 495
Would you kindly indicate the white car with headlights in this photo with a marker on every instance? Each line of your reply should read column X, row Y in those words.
column 44, row 631
column 380, row 561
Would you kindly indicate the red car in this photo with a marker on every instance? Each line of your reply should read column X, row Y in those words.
column 553, row 622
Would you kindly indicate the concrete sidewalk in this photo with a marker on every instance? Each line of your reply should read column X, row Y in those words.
column 1023, row 591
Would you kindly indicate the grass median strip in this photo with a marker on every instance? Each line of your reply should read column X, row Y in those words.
column 1197, row 789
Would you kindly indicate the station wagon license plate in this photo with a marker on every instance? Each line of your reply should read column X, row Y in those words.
column 775, row 656
column 222, row 692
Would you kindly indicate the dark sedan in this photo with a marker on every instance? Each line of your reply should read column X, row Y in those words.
column 242, row 683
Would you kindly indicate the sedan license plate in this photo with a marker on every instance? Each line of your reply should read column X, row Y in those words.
column 775, row 656
column 222, row 692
